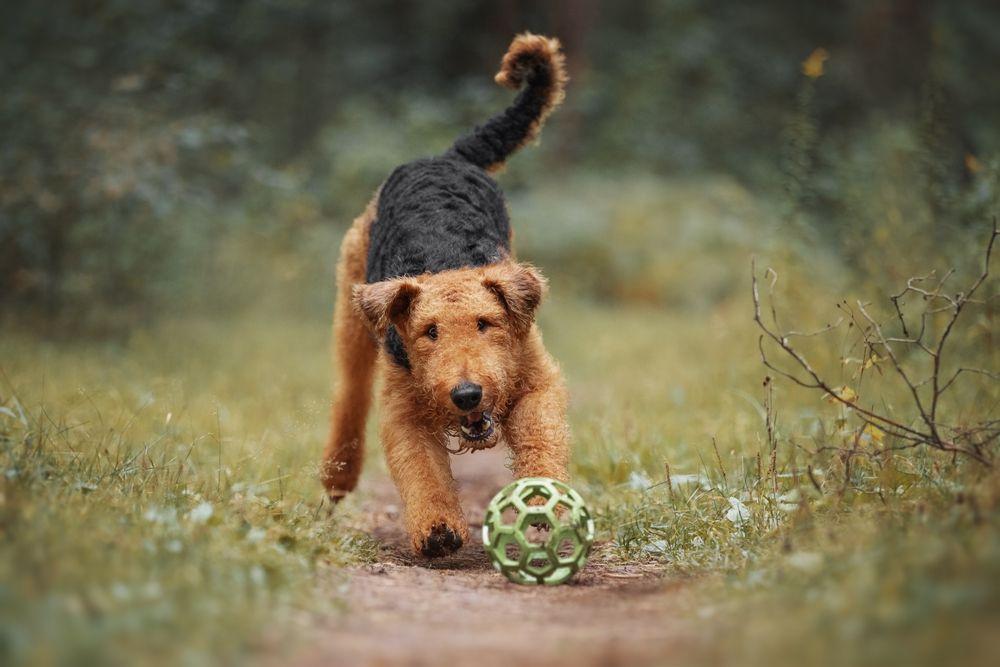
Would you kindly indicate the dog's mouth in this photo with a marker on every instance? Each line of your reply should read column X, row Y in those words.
column 476, row 426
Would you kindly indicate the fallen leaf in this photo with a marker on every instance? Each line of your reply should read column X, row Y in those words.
column 812, row 66
column 844, row 393
column 872, row 434
column 973, row 164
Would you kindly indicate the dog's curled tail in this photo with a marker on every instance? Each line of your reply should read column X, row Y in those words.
column 533, row 60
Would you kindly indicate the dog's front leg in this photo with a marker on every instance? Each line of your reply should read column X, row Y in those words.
column 418, row 463
column 537, row 432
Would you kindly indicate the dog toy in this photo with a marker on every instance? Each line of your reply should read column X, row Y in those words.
column 538, row 531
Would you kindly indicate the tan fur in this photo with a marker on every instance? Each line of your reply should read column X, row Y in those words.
column 521, row 383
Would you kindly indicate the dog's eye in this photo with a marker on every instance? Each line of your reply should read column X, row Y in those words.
column 482, row 324
column 432, row 332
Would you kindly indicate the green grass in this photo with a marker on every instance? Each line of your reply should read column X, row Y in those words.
column 162, row 488
column 159, row 502
column 165, row 487
column 914, row 582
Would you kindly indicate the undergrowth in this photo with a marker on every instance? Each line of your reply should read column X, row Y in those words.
column 148, row 512
column 159, row 502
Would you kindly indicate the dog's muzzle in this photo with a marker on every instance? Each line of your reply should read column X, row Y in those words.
column 476, row 426
column 475, row 431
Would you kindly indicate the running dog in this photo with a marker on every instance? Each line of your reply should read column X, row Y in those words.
column 429, row 290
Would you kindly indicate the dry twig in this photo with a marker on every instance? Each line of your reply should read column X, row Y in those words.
column 928, row 428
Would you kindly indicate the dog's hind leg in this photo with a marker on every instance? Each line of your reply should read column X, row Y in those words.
column 354, row 352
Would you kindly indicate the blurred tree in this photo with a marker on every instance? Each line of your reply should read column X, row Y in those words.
column 133, row 131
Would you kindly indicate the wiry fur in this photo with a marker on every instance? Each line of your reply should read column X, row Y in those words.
column 427, row 273
column 533, row 60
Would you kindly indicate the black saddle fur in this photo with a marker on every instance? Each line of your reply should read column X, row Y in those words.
column 446, row 212
column 437, row 214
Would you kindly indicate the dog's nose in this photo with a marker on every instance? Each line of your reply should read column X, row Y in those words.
column 466, row 395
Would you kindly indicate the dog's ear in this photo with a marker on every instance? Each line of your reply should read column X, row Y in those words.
column 520, row 288
column 384, row 303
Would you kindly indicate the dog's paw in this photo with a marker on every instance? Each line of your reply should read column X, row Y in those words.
column 441, row 540
column 335, row 496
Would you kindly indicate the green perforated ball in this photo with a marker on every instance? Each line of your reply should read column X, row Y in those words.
column 538, row 531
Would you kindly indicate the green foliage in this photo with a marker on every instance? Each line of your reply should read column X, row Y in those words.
column 178, row 175
column 144, row 141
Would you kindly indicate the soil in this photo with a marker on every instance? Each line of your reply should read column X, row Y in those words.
column 409, row 610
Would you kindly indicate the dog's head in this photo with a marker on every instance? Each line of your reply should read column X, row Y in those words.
column 463, row 332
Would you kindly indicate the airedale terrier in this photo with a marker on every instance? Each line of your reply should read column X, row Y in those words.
column 427, row 275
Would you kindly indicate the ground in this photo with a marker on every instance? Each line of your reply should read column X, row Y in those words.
column 408, row 610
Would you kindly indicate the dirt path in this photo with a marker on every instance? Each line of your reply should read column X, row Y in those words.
column 406, row 610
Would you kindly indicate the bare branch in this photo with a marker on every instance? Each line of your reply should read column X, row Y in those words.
column 970, row 440
column 961, row 300
column 880, row 338
column 980, row 371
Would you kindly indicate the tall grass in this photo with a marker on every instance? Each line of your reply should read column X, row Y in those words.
column 158, row 499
